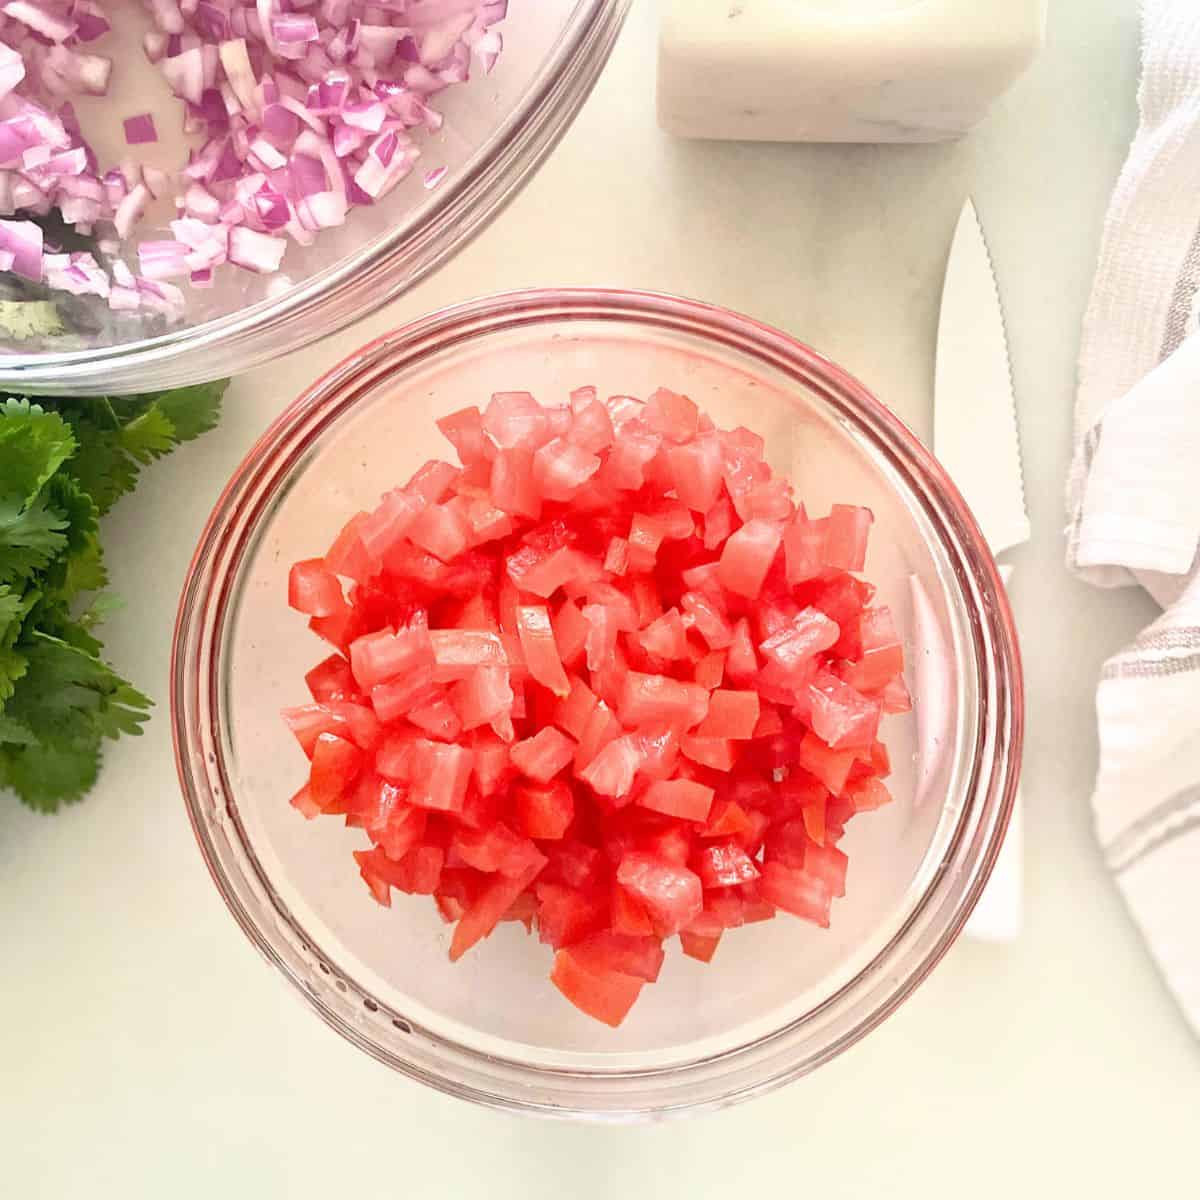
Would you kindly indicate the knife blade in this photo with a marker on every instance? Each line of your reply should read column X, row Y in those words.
column 975, row 436
column 974, row 418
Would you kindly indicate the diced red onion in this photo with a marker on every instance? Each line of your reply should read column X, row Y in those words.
column 300, row 123
column 140, row 129
column 23, row 240
column 255, row 251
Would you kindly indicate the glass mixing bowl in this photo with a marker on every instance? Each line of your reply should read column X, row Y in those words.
column 497, row 129
column 780, row 997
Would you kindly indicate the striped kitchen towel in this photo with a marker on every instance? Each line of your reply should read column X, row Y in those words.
column 1134, row 499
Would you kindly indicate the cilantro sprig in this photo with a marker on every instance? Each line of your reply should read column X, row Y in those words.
column 63, row 464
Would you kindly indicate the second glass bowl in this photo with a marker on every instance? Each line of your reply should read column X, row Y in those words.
column 780, row 997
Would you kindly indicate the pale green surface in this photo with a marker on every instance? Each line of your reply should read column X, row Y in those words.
column 146, row 1052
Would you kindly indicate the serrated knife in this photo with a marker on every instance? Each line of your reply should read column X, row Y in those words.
column 976, row 439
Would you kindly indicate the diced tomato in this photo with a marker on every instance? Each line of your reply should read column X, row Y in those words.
column 566, row 915
column 841, row 716
column 747, row 557
column 651, row 710
column 496, row 848
column 443, row 530
column 440, row 774
column 331, row 679
column 544, row 811
column 718, row 753
column 724, row 864
column 828, row 864
column 625, row 953
column 804, row 548
column 561, row 468
column 487, row 909
column 671, row 894
column 803, row 895
column 611, row 771
column 336, row 763
column 665, row 637
column 731, row 715
column 607, row 996
column 303, row 802
column 629, row 915
column 846, row 537
column 464, row 431
column 348, row 556
column 315, row 590
column 699, row 945
column 516, row 419
column 682, row 798
column 592, row 428
column 831, row 767
column 869, row 794
column 485, row 697
column 660, row 698
column 542, row 756
column 432, row 481
column 379, row 657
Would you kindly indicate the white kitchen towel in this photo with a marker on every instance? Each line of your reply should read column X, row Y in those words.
column 1134, row 499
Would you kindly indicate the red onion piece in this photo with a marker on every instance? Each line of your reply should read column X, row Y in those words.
column 140, row 129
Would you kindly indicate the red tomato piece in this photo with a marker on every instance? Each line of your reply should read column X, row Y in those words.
column 607, row 996
column 701, row 946
column 303, row 802
column 458, row 653
column 665, row 637
column 671, row 894
column 485, row 697
column 382, row 529
column 682, row 798
column 464, row 431
column 443, row 530
column 724, row 864
column 869, row 794
column 804, row 543
column 592, row 428
column 828, row 864
column 731, row 715
column 575, row 709
column 747, row 556
column 440, row 774
column 432, row 481
column 540, row 649
column 331, row 679
column 516, row 419
column 647, row 698
column 846, row 537
column 544, row 811
column 561, row 468
column 629, row 915
column 718, row 753
column 487, row 909
column 806, row 635
column 705, row 617
column 336, row 764
column 639, row 956
column 542, row 756
column 831, row 767
column 710, row 671
column 566, row 915
column 696, row 473
column 841, row 716
column 379, row 657
column 725, row 818
column 803, row 895
column 496, row 848
column 315, row 590
column 611, row 771
column 348, row 555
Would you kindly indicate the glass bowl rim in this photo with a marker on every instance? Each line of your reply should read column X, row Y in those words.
column 369, row 277
column 768, row 1061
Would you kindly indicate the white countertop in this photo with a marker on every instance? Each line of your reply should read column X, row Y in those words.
column 146, row 1051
